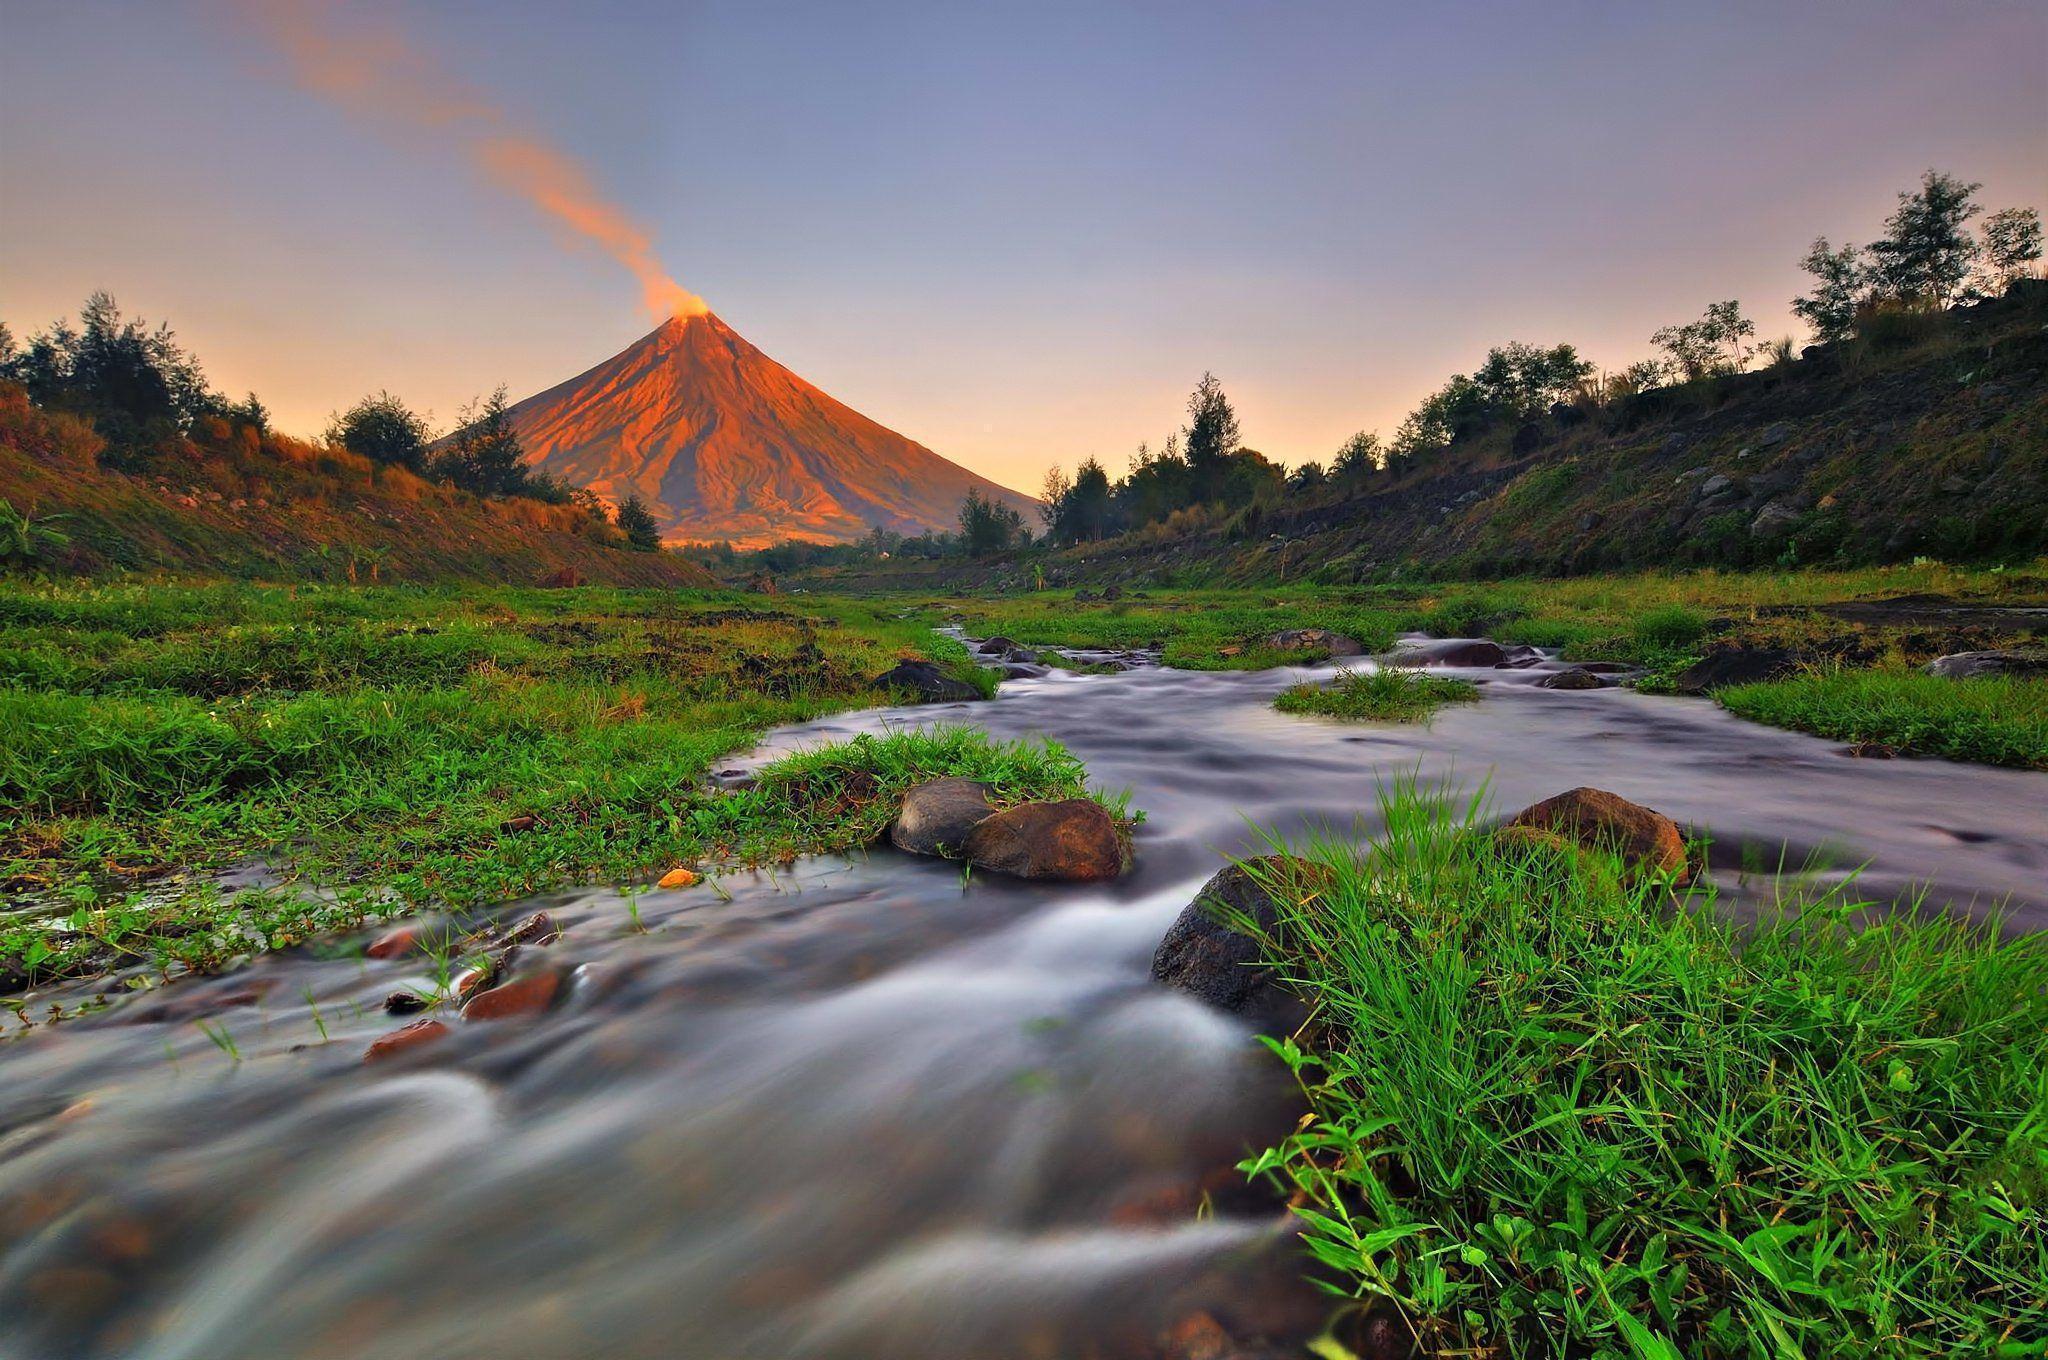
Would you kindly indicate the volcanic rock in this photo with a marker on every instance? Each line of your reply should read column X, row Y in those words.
column 1601, row 820
column 936, row 817
column 1074, row 839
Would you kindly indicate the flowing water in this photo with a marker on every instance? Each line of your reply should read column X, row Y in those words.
column 862, row 1109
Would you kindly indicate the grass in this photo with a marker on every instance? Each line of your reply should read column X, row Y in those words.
column 1563, row 1111
column 1995, row 719
column 1378, row 695
column 384, row 748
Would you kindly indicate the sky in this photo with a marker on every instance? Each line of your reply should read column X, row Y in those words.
column 1015, row 232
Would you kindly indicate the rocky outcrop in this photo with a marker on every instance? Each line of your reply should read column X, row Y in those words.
column 927, row 682
column 1968, row 665
column 1074, row 839
column 1735, row 666
column 1205, row 954
column 936, row 817
column 1600, row 820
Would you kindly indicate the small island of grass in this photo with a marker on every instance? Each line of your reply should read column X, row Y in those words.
column 1377, row 696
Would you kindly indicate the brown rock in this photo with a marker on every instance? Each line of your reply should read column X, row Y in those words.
column 514, row 825
column 1596, row 818
column 1197, row 1336
column 404, row 1002
column 393, row 943
column 678, row 878
column 937, row 817
column 1073, row 839
column 1576, row 677
column 528, row 994
column 414, row 1035
column 538, row 928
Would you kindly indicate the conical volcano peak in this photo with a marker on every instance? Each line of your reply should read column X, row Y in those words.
column 725, row 444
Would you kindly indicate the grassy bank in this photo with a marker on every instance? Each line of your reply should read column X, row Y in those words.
column 1378, row 696
column 393, row 746
column 1999, row 720
column 1557, row 1114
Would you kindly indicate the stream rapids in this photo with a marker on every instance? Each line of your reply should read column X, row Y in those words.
column 865, row 1107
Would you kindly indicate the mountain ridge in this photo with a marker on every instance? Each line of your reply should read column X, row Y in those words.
column 725, row 443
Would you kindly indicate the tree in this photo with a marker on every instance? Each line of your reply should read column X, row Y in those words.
column 252, row 413
column 138, row 386
column 637, row 522
column 1307, row 479
column 383, row 430
column 1212, row 436
column 1091, row 506
column 1839, row 279
column 1716, row 343
column 1052, row 501
column 1927, row 251
column 986, row 526
column 484, row 453
column 1360, row 457
column 1522, row 380
column 2012, row 242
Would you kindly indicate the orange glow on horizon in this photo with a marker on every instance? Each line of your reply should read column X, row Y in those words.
column 379, row 75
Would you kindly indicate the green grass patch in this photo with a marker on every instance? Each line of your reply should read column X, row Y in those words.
column 1559, row 1110
column 1378, row 695
column 1995, row 719
column 393, row 747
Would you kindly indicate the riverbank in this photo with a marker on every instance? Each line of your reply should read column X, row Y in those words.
column 193, row 773
column 1835, row 653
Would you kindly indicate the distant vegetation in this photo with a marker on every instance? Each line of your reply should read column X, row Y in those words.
column 1877, row 300
column 115, row 452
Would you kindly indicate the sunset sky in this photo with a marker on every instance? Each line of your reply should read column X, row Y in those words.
column 1017, row 233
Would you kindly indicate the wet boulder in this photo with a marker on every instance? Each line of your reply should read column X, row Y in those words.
column 1735, row 666
column 937, row 816
column 1519, row 658
column 1601, row 820
column 522, row 995
column 405, row 1039
column 1206, row 956
column 1575, row 677
column 1074, row 839
column 1449, row 652
column 929, row 683
column 1315, row 639
column 997, row 646
column 1969, row 665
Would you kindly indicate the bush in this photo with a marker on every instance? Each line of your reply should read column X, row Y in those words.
column 1671, row 626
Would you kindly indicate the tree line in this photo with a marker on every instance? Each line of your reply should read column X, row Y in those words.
column 143, row 392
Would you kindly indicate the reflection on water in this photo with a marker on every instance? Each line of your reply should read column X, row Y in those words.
column 862, row 1109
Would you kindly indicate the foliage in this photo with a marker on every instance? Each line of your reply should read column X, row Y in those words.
column 484, row 454
column 384, row 430
column 1559, row 1109
column 1996, row 719
column 1839, row 281
column 2012, row 242
column 27, row 538
column 988, row 526
column 1927, row 252
column 1716, row 343
column 1521, row 381
column 1380, row 695
column 138, row 386
column 637, row 522
column 1211, row 439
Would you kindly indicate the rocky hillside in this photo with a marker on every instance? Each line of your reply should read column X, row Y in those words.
column 1928, row 439
column 231, row 502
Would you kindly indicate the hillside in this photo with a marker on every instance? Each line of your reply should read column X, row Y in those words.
column 233, row 502
column 725, row 444
column 1927, row 440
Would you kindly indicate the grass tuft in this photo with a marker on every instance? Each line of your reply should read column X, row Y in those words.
column 1996, row 719
column 1378, row 695
column 1558, row 1112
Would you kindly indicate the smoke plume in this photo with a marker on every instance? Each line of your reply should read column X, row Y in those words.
column 376, row 74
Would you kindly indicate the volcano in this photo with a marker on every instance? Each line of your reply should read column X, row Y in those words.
column 723, row 443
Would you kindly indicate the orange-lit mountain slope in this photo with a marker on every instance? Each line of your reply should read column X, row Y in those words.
column 725, row 443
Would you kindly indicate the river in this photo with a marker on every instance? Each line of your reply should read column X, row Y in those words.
column 863, row 1108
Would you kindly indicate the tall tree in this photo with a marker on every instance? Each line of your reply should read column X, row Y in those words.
column 637, row 522
column 1212, row 436
column 484, row 455
column 2012, row 242
column 1926, row 252
column 1360, row 457
column 384, row 430
column 1839, row 280
column 986, row 526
